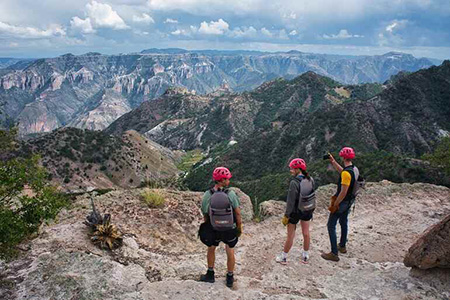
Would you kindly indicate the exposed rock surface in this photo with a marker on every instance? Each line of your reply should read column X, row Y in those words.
column 184, row 120
column 272, row 208
column 432, row 248
column 162, row 258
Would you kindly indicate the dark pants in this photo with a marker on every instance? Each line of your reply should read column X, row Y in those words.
column 342, row 216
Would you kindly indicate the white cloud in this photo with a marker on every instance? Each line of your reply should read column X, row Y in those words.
column 84, row 26
column 13, row 45
column 292, row 15
column 31, row 32
column 342, row 35
column 390, row 35
column 391, row 27
column 396, row 25
column 293, row 32
column 176, row 32
column 244, row 32
column 144, row 18
column 102, row 15
column 170, row 21
column 214, row 28
column 266, row 32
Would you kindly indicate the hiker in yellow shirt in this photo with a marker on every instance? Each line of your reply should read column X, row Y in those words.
column 341, row 202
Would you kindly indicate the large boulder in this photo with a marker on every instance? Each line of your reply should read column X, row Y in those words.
column 432, row 249
column 272, row 208
column 245, row 205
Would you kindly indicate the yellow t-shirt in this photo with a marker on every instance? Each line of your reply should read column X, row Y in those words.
column 346, row 178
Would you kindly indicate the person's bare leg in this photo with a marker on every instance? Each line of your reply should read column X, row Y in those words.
column 230, row 258
column 306, row 236
column 290, row 237
column 211, row 256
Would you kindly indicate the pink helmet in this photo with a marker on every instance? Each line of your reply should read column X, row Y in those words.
column 347, row 153
column 221, row 173
column 297, row 163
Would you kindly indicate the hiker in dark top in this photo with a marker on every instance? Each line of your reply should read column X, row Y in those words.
column 223, row 223
column 341, row 202
column 300, row 206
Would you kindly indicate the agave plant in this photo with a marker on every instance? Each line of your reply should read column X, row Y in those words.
column 105, row 234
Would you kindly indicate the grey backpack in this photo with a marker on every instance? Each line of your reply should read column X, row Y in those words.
column 360, row 182
column 221, row 211
column 307, row 195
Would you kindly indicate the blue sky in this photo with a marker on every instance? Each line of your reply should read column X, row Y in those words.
column 30, row 28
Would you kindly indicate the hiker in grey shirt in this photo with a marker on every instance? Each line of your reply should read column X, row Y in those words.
column 300, row 206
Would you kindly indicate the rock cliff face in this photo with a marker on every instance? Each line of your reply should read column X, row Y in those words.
column 182, row 120
column 92, row 90
column 163, row 258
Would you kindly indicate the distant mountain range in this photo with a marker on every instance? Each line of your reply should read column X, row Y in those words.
column 14, row 63
column 256, row 133
column 312, row 113
column 93, row 90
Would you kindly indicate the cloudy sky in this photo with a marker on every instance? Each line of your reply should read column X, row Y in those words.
column 30, row 28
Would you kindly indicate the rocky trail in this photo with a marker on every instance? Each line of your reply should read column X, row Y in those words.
column 162, row 258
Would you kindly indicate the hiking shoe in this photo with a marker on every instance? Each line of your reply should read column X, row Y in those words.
column 342, row 249
column 208, row 277
column 230, row 280
column 330, row 256
column 280, row 259
column 305, row 258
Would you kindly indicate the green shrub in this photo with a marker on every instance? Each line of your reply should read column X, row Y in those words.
column 441, row 155
column 153, row 199
column 22, row 213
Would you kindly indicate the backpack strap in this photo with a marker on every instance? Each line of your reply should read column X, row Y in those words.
column 352, row 182
column 212, row 190
column 297, row 200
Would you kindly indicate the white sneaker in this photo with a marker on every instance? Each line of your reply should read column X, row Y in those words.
column 305, row 257
column 280, row 259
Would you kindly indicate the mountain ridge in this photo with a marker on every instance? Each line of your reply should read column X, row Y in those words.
column 64, row 91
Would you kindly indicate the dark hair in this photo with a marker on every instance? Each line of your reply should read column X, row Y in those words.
column 305, row 173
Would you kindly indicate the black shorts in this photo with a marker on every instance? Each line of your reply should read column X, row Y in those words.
column 301, row 215
column 211, row 237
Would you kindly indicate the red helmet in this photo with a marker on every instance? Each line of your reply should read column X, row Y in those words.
column 297, row 163
column 347, row 153
column 221, row 173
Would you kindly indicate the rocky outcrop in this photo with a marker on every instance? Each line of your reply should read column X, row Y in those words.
column 162, row 257
column 272, row 208
column 432, row 248
column 245, row 205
